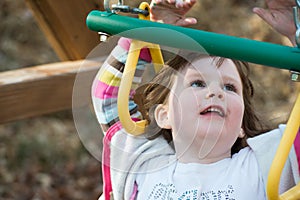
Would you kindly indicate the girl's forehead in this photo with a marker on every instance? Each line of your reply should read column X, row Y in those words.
column 212, row 65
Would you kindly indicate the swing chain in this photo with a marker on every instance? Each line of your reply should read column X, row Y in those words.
column 120, row 7
column 106, row 5
column 127, row 9
column 296, row 10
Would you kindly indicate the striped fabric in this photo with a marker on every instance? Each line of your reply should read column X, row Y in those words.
column 106, row 86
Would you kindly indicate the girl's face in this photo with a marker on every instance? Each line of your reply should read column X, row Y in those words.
column 205, row 110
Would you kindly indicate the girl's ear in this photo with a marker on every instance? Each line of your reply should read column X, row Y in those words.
column 161, row 116
column 242, row 133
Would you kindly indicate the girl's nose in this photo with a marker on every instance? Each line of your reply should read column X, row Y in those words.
column 215, row 91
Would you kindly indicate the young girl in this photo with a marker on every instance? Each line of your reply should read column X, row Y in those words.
column 199, row 143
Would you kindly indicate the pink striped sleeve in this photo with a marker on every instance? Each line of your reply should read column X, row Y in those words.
column 103, row 91
column 144, row 54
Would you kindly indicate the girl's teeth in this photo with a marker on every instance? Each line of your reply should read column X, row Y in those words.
column 214, row 110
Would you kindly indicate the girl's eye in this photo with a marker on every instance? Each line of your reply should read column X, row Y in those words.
column 230, row 87
column 198, row 83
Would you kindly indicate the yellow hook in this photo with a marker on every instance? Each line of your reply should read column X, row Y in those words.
column 135, row 128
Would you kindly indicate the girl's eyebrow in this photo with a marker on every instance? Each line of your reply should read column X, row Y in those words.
column 232, row 79
column 194, row 75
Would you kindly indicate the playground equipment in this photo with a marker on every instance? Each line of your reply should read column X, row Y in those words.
column 278, row 56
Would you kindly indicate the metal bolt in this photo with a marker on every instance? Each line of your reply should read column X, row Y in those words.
column 295, row 76
column 103, row 36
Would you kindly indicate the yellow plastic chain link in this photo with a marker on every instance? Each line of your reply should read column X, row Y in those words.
column 281, row 156
column 135, row 128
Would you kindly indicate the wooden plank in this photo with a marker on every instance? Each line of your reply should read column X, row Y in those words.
column 42, row 89
column 63, row 23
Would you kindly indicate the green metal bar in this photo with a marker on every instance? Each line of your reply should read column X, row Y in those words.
column 258, row 52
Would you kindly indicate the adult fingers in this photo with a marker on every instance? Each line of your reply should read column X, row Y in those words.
column 186, row 21
column 265, row 15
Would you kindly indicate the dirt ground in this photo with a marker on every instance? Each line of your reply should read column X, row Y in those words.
column 43, row 157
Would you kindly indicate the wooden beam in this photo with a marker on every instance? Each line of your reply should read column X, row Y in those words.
column 63, row 23
column 42, row 89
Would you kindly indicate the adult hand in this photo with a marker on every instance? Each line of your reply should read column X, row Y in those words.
column 279, row 15
column 172, row 12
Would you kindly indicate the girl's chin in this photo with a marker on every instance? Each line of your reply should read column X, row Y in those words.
column 211, row 130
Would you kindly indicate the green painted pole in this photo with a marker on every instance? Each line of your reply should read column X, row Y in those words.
column 258, row 52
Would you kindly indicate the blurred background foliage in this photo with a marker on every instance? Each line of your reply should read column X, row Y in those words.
column 22, row 44
column 43, row 158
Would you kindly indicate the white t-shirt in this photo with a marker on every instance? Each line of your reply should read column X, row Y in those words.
column 236, row 178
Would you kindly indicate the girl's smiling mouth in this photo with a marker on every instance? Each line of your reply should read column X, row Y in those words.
column 213, row 109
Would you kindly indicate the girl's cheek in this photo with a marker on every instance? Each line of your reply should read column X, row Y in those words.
column 238, row 109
